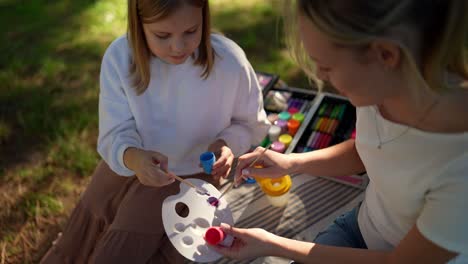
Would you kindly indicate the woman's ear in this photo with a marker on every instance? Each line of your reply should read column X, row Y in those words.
column 386, row 53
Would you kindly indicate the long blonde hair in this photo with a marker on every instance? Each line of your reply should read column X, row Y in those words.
column 443, row 26
column 149, row 11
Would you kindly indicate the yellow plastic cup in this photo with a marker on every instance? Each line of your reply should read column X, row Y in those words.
column 276, row 189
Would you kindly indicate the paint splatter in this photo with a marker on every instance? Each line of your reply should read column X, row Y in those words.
column 213, row 201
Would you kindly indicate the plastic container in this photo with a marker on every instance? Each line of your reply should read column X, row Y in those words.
column 216, row 236
column 278, row 146
column 274, row 132
column 293, row 126
column 292, row 110
column 207, row 159
column 276, row 190
column 283, row 124
column 285, row 139
column 284, row 116
column 299, row 117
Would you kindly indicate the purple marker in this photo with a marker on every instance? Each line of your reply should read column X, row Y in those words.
column 315, row 143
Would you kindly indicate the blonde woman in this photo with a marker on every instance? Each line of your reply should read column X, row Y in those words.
column 169, row 91
column 403, row 65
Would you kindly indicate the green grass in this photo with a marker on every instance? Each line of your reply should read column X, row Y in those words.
column 49, row 75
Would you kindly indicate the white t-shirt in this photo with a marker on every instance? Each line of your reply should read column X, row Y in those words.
column 416, row 178
column 180, row 113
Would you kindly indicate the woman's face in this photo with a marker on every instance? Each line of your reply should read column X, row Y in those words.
column 356, row 74
column 174, row 38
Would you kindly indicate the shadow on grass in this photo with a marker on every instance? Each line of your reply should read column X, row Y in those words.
column 44, row 80
column 48, row 96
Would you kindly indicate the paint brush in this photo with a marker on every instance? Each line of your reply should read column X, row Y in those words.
column 199, row 190
column 250, row 165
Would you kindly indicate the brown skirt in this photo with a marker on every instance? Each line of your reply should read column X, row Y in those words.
column 117, row 220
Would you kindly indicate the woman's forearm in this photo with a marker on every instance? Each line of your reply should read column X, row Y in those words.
column 338, row 160
column 306, row 252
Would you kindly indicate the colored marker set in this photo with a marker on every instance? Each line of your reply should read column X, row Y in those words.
column 332, row 121
column 324, row 126
column 304, row 120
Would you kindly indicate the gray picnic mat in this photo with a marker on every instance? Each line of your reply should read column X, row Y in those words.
column 311, row 200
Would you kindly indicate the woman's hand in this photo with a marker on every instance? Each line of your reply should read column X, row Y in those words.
column 273, row 164
column 150, row 167
column 224, row 159
column 248, row 243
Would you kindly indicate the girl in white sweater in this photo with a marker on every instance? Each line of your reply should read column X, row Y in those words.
column 170, row 90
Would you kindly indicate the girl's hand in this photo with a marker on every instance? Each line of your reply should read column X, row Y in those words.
column 150, row 167
column 274, row 165
column 248, row 243
column 224, row 159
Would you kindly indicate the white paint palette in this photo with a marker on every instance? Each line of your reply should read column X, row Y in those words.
column 186, row 232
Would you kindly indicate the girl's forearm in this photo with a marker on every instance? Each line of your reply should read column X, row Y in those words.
column 306, row 252
column 338, row 160
column 129, row 157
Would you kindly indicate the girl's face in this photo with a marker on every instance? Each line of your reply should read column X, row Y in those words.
column 356, row 74
column 175, row 37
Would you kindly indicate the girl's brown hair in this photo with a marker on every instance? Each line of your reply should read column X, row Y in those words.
column 442, row 24
column 149, row 11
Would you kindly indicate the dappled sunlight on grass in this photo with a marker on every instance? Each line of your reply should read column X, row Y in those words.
column 256, row 26
column 103, row 20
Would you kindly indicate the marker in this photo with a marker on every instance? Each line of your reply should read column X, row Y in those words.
column 316, row 139
column 322, row 109
column 335, row 125
column 343, row 108
column 318, row 124
column 309, row 141
column 323, row 124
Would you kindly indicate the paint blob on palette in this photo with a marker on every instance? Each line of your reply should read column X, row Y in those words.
column 186, row 230
column 213, row 201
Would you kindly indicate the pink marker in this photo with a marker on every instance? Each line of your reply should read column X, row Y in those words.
column 320, row 141
column 329, row 139
column 314, row 142
column 325, row 141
